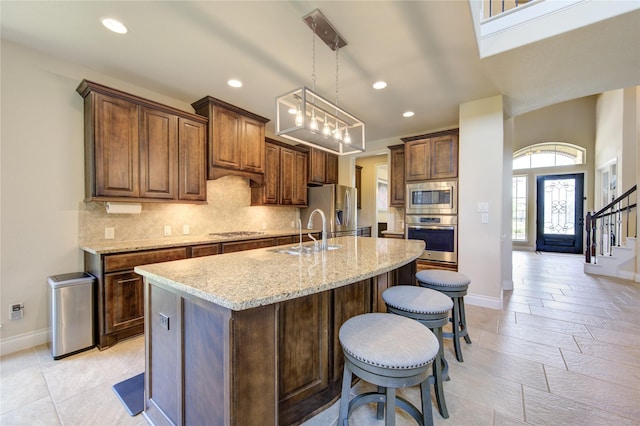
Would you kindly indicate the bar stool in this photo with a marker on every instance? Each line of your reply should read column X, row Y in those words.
column 431, row 309
column 455, row 285
column 372, row 351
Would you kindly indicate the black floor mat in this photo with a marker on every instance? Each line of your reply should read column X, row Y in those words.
column 131, row 394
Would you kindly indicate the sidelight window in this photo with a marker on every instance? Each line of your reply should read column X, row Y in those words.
column 519, row 213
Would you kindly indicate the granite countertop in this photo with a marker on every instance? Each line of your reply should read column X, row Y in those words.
column 168, row 242
column 252, row 278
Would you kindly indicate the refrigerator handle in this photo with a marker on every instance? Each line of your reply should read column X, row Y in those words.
column 347, row 207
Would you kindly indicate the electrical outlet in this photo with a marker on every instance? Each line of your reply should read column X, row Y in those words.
column 167, row 230
column 164, row 321
column 16, row 312
column 185, row 230
column 484, row 218
column 109, row 233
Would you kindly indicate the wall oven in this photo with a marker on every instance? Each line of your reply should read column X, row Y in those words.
column 440, row 234
column 433, row 197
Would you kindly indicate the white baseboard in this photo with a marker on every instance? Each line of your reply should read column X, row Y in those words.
column 484, row 301
column 24, row 341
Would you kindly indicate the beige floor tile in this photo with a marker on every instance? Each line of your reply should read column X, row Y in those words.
column 621, row 338
column 628, row 313
column 543, row 408
column 599, row 368
column 598, row 393
column 96, row 407
column 503, row 420
column 14, row 362
column 553, row 325
column 38, row 413
column 24, row 386
column 580, row 309
column 609, row 351
column 538, row 294
column 620, row 326
column 552, row 286
column 509, row 297
column 538, row 335
column 576, row 317
column 596, row 303
column 523, row 349
column 78, row 373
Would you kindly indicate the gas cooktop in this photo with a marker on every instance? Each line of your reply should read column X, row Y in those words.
column 236, row 234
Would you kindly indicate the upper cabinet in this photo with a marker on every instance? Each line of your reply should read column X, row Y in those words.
column 432, row 156
column 285, row 177
column 236, row 140
column 359, row 185
column 396, row 176
column 139, row 150
column 323, row 167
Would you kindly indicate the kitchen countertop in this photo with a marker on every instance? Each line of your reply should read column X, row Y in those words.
column 392, row 232
column 252, row 278
column 168, row 242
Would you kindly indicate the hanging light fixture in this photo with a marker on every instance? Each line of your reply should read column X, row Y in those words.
column 304, row 116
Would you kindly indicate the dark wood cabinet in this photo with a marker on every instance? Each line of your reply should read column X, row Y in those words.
column 285, row 177
column 124, row 301
column 323, row 167
column 236, row 144
column 135, row 148
column 359, row 185
column 433, row 156
column 364, row 231
column 397, row 176
column 248, row 245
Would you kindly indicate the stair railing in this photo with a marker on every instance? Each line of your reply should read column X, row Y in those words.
column 610, row 219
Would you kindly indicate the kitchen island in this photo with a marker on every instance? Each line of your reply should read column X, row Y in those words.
column 252, row 337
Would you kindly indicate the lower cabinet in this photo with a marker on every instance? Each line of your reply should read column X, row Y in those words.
column 124, row 301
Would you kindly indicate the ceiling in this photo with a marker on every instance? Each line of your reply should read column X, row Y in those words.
column 425, row 50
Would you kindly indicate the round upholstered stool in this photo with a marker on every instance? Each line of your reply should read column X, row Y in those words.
column 390, row 352
column 431, row 309
column 455, row 285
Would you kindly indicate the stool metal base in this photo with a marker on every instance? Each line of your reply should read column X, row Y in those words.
column 387, row 380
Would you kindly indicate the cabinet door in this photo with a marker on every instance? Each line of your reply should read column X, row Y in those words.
column 317, row 166
column 444, row 157
column 115, row 145
column 253, row 146
column 397, row 196
column 158, row 154
column 331, row 174
column 303, row 349
column 287, row 171
column 359, row 185
column 418, row 167
column 224, row 150
column 124, row 294
column 299, row 197
column 192, row 158
column 271, row 190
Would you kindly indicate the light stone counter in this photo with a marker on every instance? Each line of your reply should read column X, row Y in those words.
column 252, row 278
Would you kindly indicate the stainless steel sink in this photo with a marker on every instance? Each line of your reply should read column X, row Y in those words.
column 304, row 250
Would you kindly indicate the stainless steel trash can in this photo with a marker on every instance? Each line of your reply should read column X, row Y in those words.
column 72, row 313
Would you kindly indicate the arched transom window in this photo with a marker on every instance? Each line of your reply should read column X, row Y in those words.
column 548, row 154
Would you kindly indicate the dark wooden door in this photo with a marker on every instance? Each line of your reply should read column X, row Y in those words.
column 444, row 157
column 124, row 293
column 252, row 145
column 559, row 213
column 397, row 196
column 192, row 158
column 224, row 149
column 271, row 189
column 158, row 154
column 418, row 160
column 331, row 173
column 317, row 166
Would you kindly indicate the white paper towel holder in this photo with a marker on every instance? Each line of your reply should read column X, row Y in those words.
column 123, row 208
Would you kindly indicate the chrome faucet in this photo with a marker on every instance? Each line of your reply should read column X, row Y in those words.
column 323, row 245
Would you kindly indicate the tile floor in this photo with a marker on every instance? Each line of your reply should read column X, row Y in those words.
column 565, row 350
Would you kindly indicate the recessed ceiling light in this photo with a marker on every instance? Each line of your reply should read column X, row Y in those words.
column 408, row 114
column 114, row 25
column 379, row 85
column 234, row 83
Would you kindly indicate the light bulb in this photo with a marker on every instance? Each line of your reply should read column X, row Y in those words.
column 337, row 134
column 347, row 136
column 313, row 125
column 299, row 120
column 326, row 130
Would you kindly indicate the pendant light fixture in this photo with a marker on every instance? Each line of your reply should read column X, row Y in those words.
column 304, row 116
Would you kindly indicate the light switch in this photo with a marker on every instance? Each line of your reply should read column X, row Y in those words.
column 484, row 218
column 483, row 206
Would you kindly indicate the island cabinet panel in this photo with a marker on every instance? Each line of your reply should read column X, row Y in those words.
column 303, row 361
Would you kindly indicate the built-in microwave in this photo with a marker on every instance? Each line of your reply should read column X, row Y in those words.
column 432, row 197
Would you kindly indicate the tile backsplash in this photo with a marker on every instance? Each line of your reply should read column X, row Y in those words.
column 228, row 209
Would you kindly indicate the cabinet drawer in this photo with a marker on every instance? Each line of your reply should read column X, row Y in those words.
column 119, row 262
column 248, row 245
column 205, row 250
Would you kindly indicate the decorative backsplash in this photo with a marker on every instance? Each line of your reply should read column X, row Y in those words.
column 228, row 209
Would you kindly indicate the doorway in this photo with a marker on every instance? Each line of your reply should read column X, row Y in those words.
column 559, row 213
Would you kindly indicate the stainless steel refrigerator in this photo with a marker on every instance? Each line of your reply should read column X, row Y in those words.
column 338, row 202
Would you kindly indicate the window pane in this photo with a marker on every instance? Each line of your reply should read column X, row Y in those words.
column 519, row 213
column 559, row 206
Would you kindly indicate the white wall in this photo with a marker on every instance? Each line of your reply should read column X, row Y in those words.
column 481, row 179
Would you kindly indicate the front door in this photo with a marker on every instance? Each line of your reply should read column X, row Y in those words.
column 559, row 219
